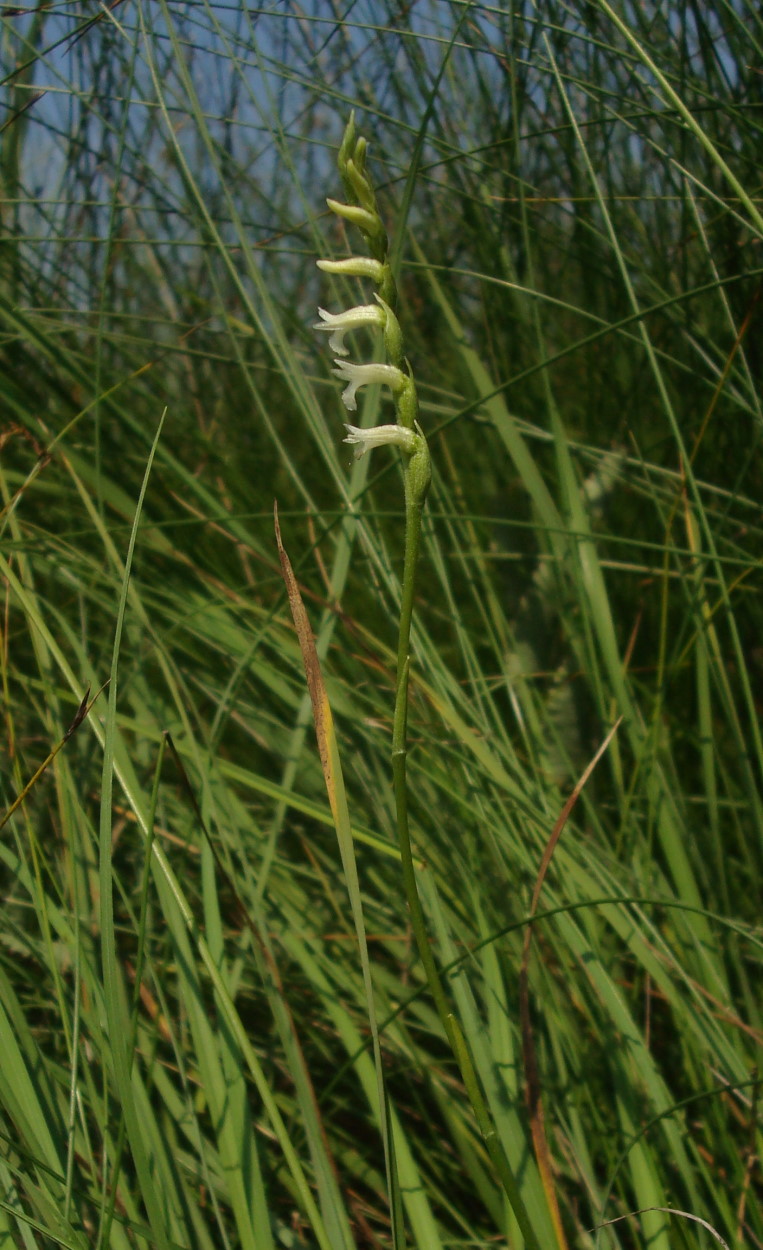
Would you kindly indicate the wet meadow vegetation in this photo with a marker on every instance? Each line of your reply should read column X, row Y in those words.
column 216, row 1025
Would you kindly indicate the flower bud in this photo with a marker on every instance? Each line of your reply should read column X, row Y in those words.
column 355, row 267
column 369, row 223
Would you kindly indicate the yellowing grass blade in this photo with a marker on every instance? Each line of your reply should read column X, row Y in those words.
column 332, row 774
column 324, row 724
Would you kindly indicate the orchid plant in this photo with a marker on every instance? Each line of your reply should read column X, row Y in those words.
column 406, row 433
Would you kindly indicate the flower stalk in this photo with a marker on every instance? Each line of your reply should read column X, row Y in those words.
column 362, row 212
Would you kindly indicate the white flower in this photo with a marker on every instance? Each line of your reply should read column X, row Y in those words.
column 355, row 266
column 338, row 324
column 362, row 375
column 379, row 435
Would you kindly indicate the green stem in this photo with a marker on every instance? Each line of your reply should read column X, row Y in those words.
column 416, row 482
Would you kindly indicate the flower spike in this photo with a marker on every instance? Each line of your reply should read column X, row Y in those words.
column 361, row 210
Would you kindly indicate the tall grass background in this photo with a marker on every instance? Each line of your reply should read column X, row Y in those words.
column 574, row 196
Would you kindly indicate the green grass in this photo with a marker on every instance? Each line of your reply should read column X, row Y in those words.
column 574, row 199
